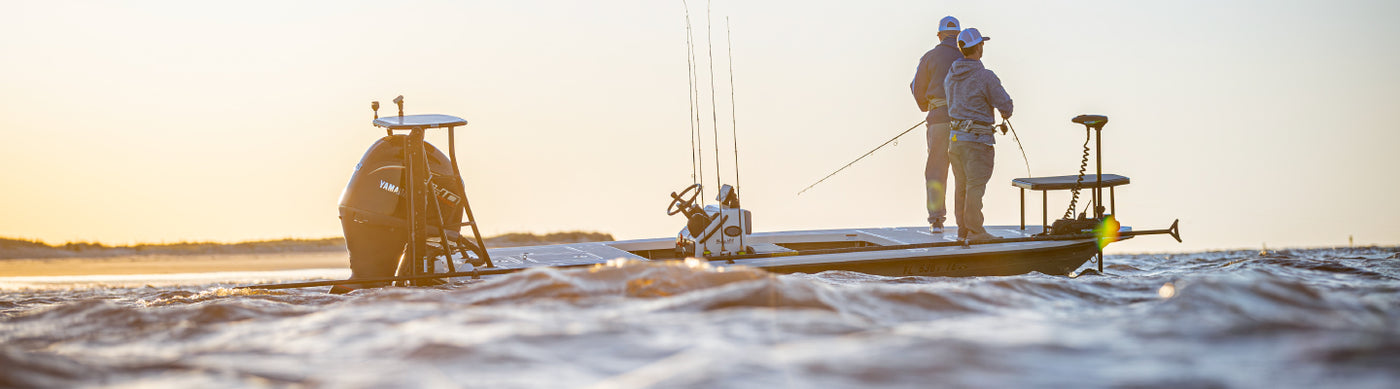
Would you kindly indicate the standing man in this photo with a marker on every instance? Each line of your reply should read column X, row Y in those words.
column 972, row 92
column 931, row 97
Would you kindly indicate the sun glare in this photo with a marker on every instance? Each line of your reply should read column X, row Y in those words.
column 1107, row 231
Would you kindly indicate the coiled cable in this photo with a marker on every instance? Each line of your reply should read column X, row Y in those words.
column 1079, row 182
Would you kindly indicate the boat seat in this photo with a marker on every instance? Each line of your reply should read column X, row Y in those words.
column 1047, row 184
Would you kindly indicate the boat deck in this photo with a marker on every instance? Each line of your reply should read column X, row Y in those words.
column 952, row 260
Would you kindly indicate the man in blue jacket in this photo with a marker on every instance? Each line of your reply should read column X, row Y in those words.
column 931, row 97
column 973, row 92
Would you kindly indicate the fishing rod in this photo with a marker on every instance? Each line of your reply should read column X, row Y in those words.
column 714, row 115
column 696, row 175
column 733, row 118
column 1004, row 126
column 921, row 122
column 697, row 143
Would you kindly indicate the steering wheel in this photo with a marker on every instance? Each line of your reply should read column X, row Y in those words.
column 680, row 202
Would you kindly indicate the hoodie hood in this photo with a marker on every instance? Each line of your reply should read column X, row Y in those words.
column 964, row 69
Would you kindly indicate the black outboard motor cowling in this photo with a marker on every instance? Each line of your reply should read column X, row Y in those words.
column 374, row 206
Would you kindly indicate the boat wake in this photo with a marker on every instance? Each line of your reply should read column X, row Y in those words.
column 1325, row 317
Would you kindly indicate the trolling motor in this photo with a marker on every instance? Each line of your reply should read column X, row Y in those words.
column 1067, row 224
column 1104, row 221
column 711, row 230
column 405, row 202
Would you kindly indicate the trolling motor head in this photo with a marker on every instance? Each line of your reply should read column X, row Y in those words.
column 1092, row 121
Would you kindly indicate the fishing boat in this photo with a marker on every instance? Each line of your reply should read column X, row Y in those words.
column 405, row 209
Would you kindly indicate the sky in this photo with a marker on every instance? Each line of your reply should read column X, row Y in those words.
column 1254, row 123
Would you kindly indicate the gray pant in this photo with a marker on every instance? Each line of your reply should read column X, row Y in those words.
column 936, row 172
column 972, row 168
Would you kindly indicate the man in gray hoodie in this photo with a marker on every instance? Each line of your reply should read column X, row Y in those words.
column 929, row 95
column 972, row 92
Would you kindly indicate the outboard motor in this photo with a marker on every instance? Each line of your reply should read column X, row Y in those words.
column 374, row 206
column 393, row 210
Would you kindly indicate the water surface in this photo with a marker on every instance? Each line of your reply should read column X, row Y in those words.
column 1289, row 318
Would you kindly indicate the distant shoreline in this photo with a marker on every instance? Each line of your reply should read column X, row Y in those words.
column 171, row 264
column 14, row 249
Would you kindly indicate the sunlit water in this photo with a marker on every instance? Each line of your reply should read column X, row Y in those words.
column 1291, row 318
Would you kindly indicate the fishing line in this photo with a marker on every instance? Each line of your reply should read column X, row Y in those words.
column 1006, row 123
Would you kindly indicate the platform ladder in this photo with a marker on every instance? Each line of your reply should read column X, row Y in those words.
column 420, row 195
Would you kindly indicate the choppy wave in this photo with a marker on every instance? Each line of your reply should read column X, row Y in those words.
column 1287, row 318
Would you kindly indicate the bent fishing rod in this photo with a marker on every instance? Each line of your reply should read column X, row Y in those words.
column 921, row 122
column 1003, row 126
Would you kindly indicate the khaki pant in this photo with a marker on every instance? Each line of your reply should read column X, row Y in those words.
column 972, row 169
column 936, row 172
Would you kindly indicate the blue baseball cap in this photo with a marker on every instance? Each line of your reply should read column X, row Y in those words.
column 949, row 23
column 971, row 37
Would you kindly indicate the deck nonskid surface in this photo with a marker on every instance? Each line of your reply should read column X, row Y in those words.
column 574, row 254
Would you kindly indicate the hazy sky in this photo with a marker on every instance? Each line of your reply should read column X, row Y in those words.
column 147, row 121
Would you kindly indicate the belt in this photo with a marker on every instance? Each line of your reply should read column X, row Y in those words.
column 934, row 103
column 973, row 126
